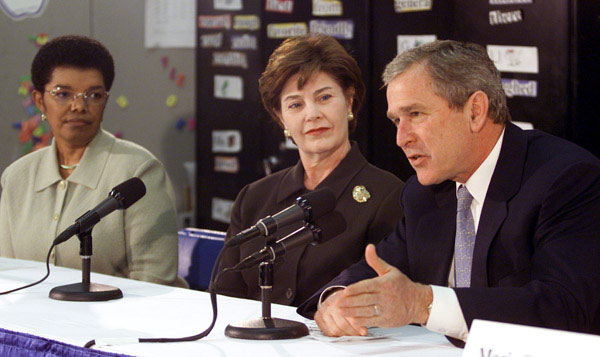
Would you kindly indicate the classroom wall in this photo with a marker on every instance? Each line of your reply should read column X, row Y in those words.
column 140, row 77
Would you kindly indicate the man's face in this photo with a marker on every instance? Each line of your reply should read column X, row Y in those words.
column 436, row 139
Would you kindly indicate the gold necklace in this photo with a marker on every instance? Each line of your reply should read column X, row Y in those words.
column 68, row 167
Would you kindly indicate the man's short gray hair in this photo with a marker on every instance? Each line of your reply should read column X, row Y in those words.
column 457, row 70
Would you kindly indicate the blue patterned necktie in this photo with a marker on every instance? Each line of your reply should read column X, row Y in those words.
column 465, row 239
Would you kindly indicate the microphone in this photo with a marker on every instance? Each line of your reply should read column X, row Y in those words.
column 121, row 197
column 307, row 207
column 331, row 226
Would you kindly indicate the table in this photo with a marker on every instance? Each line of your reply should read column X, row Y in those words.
column 151, row 310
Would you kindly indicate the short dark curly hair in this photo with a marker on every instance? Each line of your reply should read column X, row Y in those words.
column 71, row 51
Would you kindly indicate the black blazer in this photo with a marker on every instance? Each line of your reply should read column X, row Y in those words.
column 304, row 270
column 537, row 253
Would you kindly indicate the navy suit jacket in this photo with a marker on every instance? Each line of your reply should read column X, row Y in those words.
column 536, row 259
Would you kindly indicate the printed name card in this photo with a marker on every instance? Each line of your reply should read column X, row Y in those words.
column 495, row 339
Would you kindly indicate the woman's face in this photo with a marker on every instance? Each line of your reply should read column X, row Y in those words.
column 317, row 114
column 73, row 121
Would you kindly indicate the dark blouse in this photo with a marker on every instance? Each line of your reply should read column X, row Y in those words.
column 304, row 270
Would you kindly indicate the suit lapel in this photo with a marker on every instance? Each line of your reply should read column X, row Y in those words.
column 504, row 185
column 436, row 237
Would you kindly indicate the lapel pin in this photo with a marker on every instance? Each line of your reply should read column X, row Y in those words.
column 360, row 194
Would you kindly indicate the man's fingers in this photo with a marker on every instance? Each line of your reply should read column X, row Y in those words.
column 357, row 301
column 345, row 326
column 335, row 325
column 361, row 311
column 379, row 265
column 373, row 321
column 325, row 323
column 368, row 286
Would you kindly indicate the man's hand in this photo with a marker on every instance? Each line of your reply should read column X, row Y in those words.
column 389, row 300
column 330, row 320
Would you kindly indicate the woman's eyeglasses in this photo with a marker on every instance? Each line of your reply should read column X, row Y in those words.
column 66, row 97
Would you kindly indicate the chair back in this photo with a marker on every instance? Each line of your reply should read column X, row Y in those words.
column 198, row 249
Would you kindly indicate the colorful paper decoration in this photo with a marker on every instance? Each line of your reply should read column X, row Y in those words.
column 192, row 124
column 40, row 39
column 122, row 102
column 182, row 123
column 33, row 132
column 171, row 101
column 180, row 79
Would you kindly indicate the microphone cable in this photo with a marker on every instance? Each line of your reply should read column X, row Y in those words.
column 214, row 278
column 39, row 281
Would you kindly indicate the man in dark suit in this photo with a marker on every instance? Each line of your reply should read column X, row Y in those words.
column 499, row 224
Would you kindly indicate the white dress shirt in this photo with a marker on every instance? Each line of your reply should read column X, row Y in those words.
column 446, row 317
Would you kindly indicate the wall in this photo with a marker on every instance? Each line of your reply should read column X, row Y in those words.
column 140, row 77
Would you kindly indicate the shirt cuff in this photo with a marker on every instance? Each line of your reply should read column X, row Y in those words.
column 328, row 292
column 446, row 317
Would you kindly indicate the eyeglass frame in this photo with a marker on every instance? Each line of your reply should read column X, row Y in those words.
column 83, row 95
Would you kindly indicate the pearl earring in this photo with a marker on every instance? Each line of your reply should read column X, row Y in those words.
column 350, row 116
column 287, row 133
column 44, row 117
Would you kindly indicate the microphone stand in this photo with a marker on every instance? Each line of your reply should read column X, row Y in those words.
column 266, row 327
column 86, row 290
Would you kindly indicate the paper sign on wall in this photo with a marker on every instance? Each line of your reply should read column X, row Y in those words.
column 244, row 42
column 283, row 6
column 523, row 125
column 519, row 88
column 505, row 17
column 406, row 42
column 226, row 141
column 230, row 59
column 285, row 30
column 510, row 2
column 221, row 209
column 341, row 29
column 170, row 24
column 211, row 40
column 517, row 59
column 227, row 4
column 327, row 8
column 214, row 21
column 412, row 5
column 246, row 22
column 227, row 164
column 228, row 87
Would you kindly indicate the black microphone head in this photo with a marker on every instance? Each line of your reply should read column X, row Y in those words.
column 318, row 202
column 128, row 192
column 330, row 226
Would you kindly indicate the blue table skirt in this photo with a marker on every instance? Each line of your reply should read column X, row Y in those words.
column 23, row 344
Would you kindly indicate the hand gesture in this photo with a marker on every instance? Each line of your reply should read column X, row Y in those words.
column 389, row 300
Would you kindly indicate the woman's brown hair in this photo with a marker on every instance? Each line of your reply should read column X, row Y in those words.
column 305, row 56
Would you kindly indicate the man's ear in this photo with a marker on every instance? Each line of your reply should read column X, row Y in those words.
column 477, row 109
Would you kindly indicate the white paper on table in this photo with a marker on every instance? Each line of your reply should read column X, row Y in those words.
column 373, row 333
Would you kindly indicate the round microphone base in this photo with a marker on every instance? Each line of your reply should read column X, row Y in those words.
column 78, row 292
column 267, row 328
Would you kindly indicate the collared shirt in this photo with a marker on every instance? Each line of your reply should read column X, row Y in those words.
column 37, row 204
column 446, row 317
